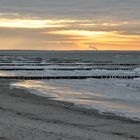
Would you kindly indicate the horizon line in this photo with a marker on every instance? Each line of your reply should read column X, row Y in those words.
column 71, row 50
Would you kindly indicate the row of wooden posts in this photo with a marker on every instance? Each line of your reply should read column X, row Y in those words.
column 69, row 77
column 20, row 69
column 61, row 69
column 100, row 68
column 69, row 64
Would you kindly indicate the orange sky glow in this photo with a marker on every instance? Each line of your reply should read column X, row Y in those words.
column 63, row 37
column 73, row 25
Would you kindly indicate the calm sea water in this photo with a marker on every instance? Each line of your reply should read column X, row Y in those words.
column 103, row 56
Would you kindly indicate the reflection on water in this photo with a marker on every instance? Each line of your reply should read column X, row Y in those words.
column 86, row 94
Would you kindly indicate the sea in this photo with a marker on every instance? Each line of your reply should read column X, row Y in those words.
column 116, row 94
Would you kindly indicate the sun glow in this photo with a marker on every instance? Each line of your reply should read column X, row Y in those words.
column 98, row 36
column 30, row 23
column 84, row 39
column 67, row 34
column 83, row 33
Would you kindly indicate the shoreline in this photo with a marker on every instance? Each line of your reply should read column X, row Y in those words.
column 73, row 107
column 77, row 107
column 55, row 119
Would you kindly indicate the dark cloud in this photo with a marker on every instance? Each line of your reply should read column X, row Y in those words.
column 117, row 9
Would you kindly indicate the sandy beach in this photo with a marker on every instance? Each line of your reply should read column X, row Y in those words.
column 24, row 116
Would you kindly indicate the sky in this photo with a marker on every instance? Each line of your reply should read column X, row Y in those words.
column 70, row 24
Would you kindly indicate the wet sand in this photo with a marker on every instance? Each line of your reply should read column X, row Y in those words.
column 24, row 116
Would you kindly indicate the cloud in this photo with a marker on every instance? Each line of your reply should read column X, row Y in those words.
column 30, row 23
column 75, row 24
column 84, row 33
column 105, row 9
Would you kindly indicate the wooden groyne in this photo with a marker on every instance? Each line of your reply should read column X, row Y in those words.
column 96, row 64
column 69, row 64
column 68, row 77
column 66, row 69
column 100, row 68
column 22, row 69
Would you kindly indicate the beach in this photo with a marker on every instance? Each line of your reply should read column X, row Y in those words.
column 24, row 116
column 69, row 70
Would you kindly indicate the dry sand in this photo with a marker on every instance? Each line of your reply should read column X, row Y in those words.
column 24, row 116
